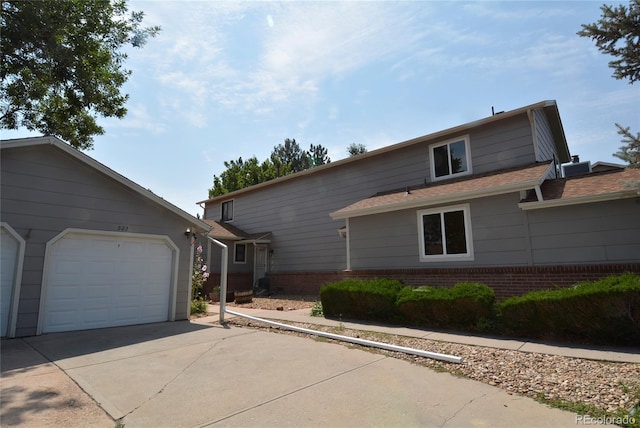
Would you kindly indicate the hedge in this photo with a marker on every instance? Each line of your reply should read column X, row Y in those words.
column 461, row 306
column 361, row 299
column 606, row 311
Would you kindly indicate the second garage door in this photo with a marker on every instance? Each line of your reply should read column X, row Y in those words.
column 106, row 280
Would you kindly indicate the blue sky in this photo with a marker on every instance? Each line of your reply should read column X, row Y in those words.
column 234, row 79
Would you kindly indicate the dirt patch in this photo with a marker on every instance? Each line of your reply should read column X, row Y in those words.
column 285, row 302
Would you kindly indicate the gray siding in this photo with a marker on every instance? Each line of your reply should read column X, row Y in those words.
column 545, row 148
column 605, row 232
column 390, row 240
column 45, row 191
column 297, row 210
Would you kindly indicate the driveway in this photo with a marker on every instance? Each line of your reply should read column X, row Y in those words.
column 185, row 374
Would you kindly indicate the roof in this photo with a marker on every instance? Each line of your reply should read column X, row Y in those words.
column 588, row 188
column 550, row 109
column 226, row 231
column 61, row 145
column 470, row 187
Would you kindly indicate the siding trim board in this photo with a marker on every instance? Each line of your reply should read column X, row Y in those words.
column 12, row 316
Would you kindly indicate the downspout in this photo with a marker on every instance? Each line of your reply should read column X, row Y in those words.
column 356, row 340
column 224, row 261
column 348, row 245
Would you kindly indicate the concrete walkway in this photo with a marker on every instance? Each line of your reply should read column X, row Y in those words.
column 196, row 374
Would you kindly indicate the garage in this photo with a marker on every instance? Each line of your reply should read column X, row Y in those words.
column 95, row 279
column 11, row 257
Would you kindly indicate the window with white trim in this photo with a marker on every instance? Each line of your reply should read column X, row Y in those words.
column 450, row 158
column 445, row 234
column 227, row 211
column 240, row 253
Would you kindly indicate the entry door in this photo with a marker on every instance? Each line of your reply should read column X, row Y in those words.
column 260, row 268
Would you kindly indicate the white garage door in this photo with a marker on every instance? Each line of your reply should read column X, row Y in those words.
column 9, row 258
column 104, row 280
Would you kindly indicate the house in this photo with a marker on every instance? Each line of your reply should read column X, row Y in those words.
column 484, row 201
column 84, row 247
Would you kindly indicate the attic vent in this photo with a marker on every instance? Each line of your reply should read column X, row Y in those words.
column 576, row 168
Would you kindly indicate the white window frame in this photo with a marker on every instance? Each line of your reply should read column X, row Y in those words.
column 235, row 252
column 467, row 150
column 222, row 204
column 468, row 256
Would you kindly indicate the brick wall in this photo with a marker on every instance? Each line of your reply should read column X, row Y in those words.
column 506, row 281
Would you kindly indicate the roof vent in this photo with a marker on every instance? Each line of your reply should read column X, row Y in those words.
column 576, row 168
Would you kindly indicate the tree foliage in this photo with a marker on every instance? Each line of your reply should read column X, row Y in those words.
column 355, row 149
column 63, row 65
column 285, row 159
column 630, row 151
column 617, row 33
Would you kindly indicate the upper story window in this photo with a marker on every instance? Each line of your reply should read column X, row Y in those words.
column 227, row 211
column 450, row 158
column 445, row 234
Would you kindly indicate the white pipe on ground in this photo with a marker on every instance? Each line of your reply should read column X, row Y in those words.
column 223, row 276
column 358, row 341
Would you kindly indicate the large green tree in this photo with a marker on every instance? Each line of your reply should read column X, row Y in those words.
column 285, row 159
column 617, row 33
column 63, row 65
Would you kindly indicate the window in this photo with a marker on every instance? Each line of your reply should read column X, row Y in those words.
column 227, row 211
column 240, row 253
column 445, row 233
column 450, row 159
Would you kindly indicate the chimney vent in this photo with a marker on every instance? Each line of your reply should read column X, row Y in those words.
column 575, row 159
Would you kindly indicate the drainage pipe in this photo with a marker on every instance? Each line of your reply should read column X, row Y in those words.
column 224, row 261
column 358, row 341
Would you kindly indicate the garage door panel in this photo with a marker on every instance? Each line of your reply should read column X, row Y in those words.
column 110, row 280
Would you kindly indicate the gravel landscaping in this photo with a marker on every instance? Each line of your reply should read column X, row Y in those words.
column 583, row 386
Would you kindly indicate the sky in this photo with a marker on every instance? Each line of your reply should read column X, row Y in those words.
column 225, row 80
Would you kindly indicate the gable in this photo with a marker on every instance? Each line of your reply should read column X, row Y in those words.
column 49, row 176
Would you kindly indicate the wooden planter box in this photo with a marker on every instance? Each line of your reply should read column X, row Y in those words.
column 215, row 296
column 244, row 296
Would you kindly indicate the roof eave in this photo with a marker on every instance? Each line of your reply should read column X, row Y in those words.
column 445, row 199
column 561, row 202
column 550, row 107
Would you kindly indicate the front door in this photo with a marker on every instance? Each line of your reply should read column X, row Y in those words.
column 261, row 263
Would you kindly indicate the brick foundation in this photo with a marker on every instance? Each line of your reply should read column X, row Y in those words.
column 235, row 282
column 506, row 281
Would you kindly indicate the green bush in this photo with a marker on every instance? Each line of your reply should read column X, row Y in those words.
column 198, row 306
column 606, row 311
column 461, row 306
column 361, row 299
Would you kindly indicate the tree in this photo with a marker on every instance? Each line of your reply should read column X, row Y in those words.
column 617, row 33
column 318, row 155
column 291, row 154
column 285, row 159
column 630, row 152
column 355, row 149
column 63, row 65
column 240, row 174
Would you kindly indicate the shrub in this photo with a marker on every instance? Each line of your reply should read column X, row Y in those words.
column 361, row 299
column 198, row 306
column 606, row 311
column 462, row 306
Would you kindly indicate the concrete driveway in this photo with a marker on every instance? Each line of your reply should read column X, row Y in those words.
column 185, row 374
